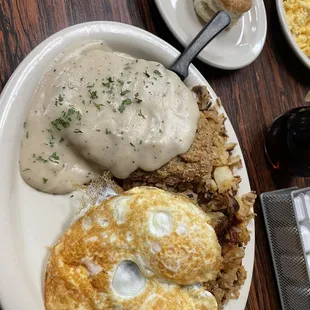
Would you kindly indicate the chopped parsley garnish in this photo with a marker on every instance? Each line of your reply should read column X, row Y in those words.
column 93, row 94
column 132, row 144
column 60, row 98
column 108, row 84
column 98, row 105
column 54, row 158
column 124, row 92
column 160, row 131
column 157, row 73
column 137, row 99
column 61, row 140
column 127, row 67
column 140, row 114
column 121, row 82
column 107, row 132
column 78, row 115
column 44, row 180
column 27, row 169
column 110, row 79
column 25, row 124
column 125, row 102
column 27, row 134
column 90, row 85
column 146, row 74
column 77, row 131
column 140, row 142
column 71, row 111
column 65, row 119
column 40, row 158
column 52, row 143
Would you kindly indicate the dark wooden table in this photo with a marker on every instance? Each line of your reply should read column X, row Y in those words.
column 252, row 96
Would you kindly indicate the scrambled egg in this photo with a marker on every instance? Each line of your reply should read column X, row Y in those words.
column 298, row 18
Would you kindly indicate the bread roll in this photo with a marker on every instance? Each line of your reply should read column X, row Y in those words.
column 206, row 9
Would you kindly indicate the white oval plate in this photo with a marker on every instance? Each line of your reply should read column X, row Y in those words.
column 289, row 37
column 31, row 221
column 234, row 48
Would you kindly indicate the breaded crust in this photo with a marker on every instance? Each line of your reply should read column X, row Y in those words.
column 193, row 165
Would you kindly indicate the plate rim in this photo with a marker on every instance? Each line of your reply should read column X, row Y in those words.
column 6, row 101
column 159, row 4
column 289, row 36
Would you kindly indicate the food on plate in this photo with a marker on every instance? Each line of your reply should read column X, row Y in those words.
column 298, row 19
column 206, row 9
column 215, row 193
column 97, row 110
column 143, row 249
column 144, row 222
column 105, row 118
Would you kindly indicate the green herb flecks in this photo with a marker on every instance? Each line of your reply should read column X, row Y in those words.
column 93, row 94
column 140, row 114
column 158, row 73
column 124, row 92
column 107, row 84
column 59, row 100
column 78, row 115
column 27, row 134
column 44, row 180
column 77, row 131
column 107, row 131
column 40, row 158
column 123, row 105
column 90, row 85
column 27, row 169
column 137, row 99
column 146, row 74
column 65, row 120
column 98, row 105
column 54, row 158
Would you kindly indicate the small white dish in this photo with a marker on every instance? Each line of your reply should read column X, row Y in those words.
column 289, row 37
column 31, row 221
column 234, row 48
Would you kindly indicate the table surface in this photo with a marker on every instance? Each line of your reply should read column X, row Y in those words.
column 252, row 96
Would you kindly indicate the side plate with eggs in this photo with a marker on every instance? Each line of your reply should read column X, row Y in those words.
column 30, row 221
column 294, row 8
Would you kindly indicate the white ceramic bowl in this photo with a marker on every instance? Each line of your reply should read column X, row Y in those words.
column 289, row 37
column 31, row 221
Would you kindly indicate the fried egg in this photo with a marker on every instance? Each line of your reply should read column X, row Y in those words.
column 143, row 249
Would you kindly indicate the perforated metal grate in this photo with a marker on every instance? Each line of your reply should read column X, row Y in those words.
column 286, row 249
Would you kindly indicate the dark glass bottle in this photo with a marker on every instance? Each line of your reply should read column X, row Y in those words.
column 287, row 143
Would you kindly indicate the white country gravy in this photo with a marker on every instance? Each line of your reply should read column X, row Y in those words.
column 95, row 110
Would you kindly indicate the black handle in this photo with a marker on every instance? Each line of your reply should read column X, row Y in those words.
column 215, row 26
